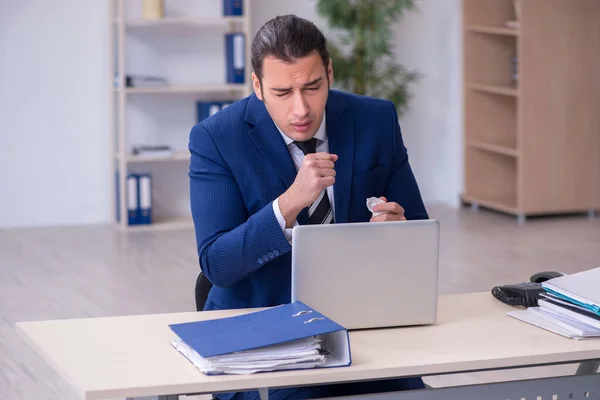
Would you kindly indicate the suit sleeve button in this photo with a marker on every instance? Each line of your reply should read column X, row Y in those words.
column 271, row 255
column 260, row 261
column 265, row 257
column 276, row 252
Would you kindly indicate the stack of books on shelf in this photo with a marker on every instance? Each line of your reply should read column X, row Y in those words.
column 569, row 306
column 144, row 81
column 148, row 151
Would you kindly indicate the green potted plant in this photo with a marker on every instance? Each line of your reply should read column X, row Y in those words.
column 363, row 61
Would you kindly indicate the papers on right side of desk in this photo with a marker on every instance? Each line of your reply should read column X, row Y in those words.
column 570, row 306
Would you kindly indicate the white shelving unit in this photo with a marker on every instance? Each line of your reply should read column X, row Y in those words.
column 187, row 47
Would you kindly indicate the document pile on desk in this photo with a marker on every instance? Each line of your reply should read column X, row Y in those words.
column 303, row 353
column 290, row 336
column 570, row 306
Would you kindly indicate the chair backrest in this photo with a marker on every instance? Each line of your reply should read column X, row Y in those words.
column 203, row 286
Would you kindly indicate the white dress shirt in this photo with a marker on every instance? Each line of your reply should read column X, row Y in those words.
column 297, row 157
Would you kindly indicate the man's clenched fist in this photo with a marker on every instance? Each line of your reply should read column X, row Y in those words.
column 316, row 173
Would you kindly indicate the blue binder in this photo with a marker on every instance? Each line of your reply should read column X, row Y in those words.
column 264, row 331
column 133, row 199
column 233, row 7
column 144, row 198
column 205, row 109
column 235, row 50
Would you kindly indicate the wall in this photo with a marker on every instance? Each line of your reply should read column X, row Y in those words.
column 54, row 116
column 430, row 41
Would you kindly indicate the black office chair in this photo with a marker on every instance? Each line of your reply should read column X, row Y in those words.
column 201, row 290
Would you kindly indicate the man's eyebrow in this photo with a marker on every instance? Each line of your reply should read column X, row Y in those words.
column 281, row 89
column 314, row 82
column 311, row 83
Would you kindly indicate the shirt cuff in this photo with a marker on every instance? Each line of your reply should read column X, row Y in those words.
column 286, row 231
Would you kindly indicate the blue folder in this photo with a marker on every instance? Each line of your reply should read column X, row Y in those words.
column 133, row 199
column 595, row 309
column 270, row 329
column 235, row 57
column 233, row 7
column 580, row 289
column 205, row 109
column 144, row 198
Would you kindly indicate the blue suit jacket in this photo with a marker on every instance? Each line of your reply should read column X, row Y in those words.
column 240, row 164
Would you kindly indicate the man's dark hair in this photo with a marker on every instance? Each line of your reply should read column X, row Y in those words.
column 287, row 38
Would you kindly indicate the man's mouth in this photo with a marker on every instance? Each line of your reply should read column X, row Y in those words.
column 301, row 126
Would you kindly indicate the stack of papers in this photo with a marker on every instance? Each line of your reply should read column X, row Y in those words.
column 298, row 354
column 570, row 306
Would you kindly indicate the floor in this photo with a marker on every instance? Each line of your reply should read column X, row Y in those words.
column 73, row 272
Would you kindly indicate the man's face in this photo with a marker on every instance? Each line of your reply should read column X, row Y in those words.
column 295, row 94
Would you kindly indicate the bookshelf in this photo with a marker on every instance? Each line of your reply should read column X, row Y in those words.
column 185, row 46
column 531, row 134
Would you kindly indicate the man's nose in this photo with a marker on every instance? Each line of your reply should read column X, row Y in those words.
column 300, row 107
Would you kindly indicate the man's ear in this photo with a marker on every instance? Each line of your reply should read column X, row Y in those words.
column 256, row 87
column 330, row 72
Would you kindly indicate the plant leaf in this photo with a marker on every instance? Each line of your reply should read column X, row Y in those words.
column 367, row 65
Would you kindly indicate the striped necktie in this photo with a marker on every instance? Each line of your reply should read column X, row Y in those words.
column 320, row 211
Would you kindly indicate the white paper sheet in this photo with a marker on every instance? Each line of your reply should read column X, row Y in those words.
column 584, row 319
column 531, row 318
column 303, row 353
column 575, row 327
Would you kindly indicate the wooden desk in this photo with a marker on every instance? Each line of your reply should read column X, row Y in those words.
column 131, row 356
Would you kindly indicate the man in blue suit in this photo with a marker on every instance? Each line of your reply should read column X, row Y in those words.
column 294, row 152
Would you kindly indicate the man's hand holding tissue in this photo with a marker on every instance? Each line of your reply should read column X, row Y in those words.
column 387, row 211
column 315, row 174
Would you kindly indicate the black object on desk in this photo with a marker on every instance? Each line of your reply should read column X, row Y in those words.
column 524, row 294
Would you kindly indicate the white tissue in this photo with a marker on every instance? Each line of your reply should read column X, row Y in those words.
column 373, row 201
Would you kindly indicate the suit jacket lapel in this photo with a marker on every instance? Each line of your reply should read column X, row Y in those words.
column 340, row 134
column 267, row 139
column 269, row 142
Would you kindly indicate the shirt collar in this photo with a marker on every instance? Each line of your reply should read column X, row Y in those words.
column 321, row 133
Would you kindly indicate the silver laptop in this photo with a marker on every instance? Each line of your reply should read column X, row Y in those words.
column 368, row 275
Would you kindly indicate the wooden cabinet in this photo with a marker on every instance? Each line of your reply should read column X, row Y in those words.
column 532, row 106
